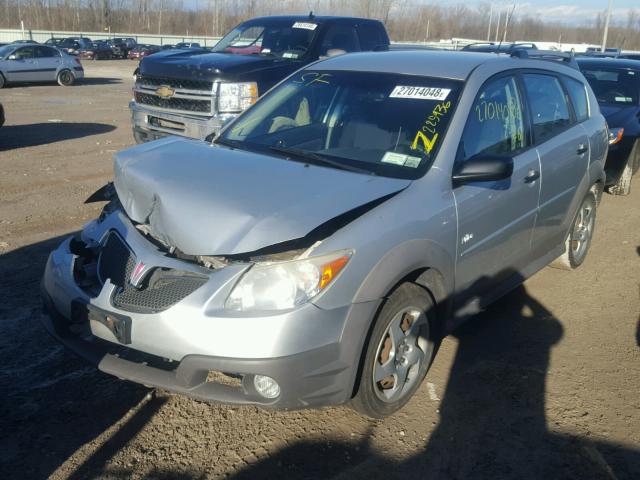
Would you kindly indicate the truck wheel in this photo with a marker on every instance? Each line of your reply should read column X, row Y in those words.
column 66, row 78
column 623, row 185
column 579, row 237
column 399, row 353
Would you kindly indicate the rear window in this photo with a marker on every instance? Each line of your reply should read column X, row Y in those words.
column 613, row 85
column 578, row 96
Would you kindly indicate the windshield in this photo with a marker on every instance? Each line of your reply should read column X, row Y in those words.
column 386, row 124
column 613, row 85
column 6, row 50
column 285, row 39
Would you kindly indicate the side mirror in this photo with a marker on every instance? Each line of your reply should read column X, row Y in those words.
column 12, row 57
column 483, row 168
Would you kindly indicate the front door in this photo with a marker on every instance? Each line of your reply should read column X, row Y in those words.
column 24, row 67
column 495, row 218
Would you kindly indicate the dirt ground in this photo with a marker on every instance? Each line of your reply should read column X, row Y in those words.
column 544, row 384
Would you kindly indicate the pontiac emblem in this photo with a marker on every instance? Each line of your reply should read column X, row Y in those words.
column 137, row 274
column 165, row 92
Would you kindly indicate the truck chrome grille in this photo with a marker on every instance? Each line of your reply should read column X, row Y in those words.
column 184, row 95
column 175, row 103
column 163, row 288
column 185, row 84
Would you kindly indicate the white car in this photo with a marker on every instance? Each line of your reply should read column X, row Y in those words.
column 38, row 63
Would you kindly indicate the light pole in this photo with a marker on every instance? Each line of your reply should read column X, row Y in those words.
column 606, row 26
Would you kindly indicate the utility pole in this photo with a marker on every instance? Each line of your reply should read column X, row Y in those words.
column 490, row 18
column 498, row 25
column 506, row 22
column 606, row 26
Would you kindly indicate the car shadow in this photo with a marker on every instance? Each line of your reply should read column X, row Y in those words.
column 21, row 136
column 52, row 402
column 492, row 416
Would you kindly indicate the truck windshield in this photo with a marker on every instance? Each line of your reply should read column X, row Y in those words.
column 385, row 124
column 282, row 38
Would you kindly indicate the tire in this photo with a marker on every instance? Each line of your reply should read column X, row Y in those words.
column 65, row 78
column 623, row 185
column 402, row 343
column 579, row 237
column 2, row 81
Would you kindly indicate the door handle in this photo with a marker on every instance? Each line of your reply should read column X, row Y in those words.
column 582, row 148
column 532, row 176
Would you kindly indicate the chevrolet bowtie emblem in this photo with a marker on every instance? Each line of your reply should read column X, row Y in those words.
column 165, row 92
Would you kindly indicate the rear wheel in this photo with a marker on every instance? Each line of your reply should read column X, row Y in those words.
column 579, row 237
column 399, row 353
column 66, row 78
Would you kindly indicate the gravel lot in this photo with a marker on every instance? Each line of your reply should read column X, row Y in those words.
column 545, row 384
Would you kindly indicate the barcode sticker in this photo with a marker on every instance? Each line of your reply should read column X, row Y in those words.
column 421, row 93
column 305, row 25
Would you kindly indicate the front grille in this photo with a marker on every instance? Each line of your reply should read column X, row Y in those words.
column 186, row 84
column 174, row 103
column 163, row 287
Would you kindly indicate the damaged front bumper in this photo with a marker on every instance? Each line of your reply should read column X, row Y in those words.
column 185, row 347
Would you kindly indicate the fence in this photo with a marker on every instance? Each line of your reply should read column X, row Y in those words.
column 9, row 35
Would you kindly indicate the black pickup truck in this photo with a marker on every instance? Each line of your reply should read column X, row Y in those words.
column 194, row 92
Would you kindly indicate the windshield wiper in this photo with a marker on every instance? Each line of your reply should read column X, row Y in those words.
column 319, row 159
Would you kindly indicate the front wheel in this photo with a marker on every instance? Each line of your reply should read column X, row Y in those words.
column 2, row 81
column 623, row 185
column 400, row 351
column 66, row 78
column 579, row 238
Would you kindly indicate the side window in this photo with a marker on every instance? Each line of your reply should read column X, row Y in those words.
column 46, row 52
column 370, row 36
column 578, row 98
column 549, row 109
column 495, row 124
column 24, row 53
column 339, row 39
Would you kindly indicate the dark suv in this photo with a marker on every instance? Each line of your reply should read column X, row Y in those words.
column 122, row 46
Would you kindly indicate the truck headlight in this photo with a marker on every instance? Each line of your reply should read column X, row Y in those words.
column 236, row 97
column 284, row 285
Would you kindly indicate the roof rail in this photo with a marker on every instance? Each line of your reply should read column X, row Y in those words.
column 565, row 57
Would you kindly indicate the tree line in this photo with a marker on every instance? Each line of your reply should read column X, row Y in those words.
column 413, row 20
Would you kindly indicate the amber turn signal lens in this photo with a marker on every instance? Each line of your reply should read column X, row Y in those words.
column 331, row 270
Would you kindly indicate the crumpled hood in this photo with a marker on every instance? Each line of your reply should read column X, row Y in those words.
column 195, row 63
column 211, row 200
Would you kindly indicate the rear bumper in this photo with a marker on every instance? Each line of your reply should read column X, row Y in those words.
column 148, row 121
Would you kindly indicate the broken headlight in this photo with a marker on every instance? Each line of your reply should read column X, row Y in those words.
column 284, row 285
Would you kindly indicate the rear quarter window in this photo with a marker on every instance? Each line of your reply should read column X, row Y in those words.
column 578, row 96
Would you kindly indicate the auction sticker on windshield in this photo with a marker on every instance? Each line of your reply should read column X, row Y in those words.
column 421, row 93
column 305, row 25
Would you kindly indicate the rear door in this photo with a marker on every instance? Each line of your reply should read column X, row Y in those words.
column 496, row 218
column 49, row 60
column 563, row 147
column 24, row 67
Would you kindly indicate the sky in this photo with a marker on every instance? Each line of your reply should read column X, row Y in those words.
column 572, row 11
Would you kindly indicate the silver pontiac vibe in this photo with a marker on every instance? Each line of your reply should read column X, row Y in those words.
column 322, row 246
